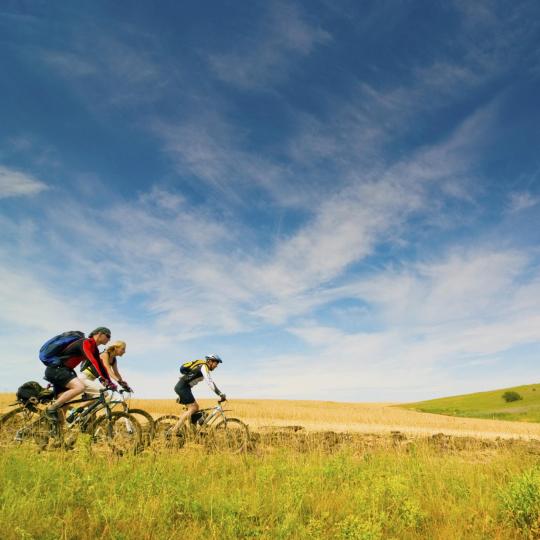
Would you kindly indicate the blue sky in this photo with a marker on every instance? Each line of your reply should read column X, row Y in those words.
column 340, row 198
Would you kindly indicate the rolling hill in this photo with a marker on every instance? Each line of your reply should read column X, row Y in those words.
column 487, row 405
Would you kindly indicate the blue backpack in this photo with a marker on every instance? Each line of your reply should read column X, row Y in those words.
column 50, row 351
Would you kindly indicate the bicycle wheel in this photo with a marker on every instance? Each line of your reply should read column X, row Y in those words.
column 231, row 435
column 17, row 427
column 119, row 433
column 165, row 437
column 147, row 423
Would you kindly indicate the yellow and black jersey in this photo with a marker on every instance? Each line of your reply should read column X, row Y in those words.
column 194, row 372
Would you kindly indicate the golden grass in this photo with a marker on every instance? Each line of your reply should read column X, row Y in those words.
column 353, row 417
column 345, row 417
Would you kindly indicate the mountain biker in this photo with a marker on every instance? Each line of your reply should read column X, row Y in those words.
column 63, row 377
column 89, row 374
column 193, row 373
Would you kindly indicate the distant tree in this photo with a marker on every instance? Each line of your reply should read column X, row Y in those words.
column 511, row 396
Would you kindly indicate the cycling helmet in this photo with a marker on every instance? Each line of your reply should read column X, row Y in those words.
column 214, row 357
column 100, row 330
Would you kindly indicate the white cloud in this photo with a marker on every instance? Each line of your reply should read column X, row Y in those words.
column 267, row 56
column 522, row 201
column 467, row 309
column 109, row 70
column 17, row 184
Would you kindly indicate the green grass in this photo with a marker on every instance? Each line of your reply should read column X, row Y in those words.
column 418, row 492
column 487, row 405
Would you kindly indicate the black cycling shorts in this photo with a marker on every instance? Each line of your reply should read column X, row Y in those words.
column 59, row 376
column 184, row 393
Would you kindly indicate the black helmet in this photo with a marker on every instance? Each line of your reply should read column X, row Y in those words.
column 100, row 330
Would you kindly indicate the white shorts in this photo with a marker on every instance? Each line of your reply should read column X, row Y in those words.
column 91, row 386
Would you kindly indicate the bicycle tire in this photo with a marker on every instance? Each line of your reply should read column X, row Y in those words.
column 16, row 427
column 164, row 438
column 147, row 424
column 119, row 433
column 230, row 435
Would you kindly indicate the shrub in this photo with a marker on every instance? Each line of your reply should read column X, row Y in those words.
column 511, row 396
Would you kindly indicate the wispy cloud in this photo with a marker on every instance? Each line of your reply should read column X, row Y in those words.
column 15, row 183
column 468, row 307
column 108, row 70
column 268, row 54
column 522, row 201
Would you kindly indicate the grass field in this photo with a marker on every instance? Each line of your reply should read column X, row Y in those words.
column 418, row 492
column 317, row 470
column 489, row 405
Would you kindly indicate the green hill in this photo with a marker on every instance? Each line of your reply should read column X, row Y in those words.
column 487, row 405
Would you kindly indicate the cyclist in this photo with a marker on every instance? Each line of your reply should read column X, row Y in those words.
column 89, row 374
column 63, row 377
column 193, row 373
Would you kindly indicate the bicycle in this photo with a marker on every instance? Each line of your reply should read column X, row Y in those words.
column 210, row 427
column 113, row 431
column 117, row 431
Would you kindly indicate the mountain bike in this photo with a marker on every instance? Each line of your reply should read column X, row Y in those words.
column 113, row 431
column 210, row 427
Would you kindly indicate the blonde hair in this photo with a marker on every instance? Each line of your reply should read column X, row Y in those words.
column 112, row 350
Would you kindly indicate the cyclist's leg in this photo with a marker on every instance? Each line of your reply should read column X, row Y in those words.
column 67, row 385
column 185, row 398
column 192, row 408
column 92, row 387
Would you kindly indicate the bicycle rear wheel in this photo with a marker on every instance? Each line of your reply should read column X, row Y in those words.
column 165, row 437
column 119, row 433
column 231, row 435
column 18, row 427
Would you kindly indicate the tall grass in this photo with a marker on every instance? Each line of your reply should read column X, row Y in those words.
column 423, row 492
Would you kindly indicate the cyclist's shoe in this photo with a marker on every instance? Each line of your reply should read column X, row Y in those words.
column 73, row 414
column 51, row 415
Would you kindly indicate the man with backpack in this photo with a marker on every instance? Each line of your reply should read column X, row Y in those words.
column 192, row 373
column 62, row 354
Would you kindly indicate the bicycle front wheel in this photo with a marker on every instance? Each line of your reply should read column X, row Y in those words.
column 231, row 435
column 119, row 433
column 146, row 421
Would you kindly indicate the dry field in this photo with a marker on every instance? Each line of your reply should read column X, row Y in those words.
column 355, row 417
column 380, row 418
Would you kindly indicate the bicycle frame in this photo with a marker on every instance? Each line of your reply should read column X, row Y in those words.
column 218, row 413
column 99, row 403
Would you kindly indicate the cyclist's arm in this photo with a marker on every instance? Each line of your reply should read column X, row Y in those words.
column 207, row 377
column 111, row 368
column 94, row 358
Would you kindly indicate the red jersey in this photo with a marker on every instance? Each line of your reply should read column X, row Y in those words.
column 84, row 349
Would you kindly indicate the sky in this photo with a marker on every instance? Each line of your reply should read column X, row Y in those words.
column 342, row 199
